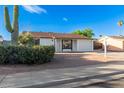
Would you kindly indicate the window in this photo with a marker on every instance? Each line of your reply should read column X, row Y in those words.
column 37, row 41
column 67, row 44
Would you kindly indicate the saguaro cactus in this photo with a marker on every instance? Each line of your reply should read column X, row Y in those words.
column 12, row 29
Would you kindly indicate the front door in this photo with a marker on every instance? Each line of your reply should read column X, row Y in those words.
column 66, row 45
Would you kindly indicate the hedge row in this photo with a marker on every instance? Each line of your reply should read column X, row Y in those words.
column 26, row 55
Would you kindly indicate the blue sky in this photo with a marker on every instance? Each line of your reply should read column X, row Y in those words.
column 65, row 19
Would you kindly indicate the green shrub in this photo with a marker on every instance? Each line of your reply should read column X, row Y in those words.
column 3, row 55
column 26, row 39
column 26, row 55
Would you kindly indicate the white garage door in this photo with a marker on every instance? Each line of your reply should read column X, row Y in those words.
column 84, row 45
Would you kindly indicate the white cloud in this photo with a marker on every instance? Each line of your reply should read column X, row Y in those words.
column 65, row 19
column 34, row 9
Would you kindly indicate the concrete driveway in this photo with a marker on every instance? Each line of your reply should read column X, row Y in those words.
column 66, row 60
column 88, row 67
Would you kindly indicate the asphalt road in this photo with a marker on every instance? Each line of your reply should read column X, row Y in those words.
column 119, row 83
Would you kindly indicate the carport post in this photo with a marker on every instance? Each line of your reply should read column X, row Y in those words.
column 105, row 46
column 54, row 41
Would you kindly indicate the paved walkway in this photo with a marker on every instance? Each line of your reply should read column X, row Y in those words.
column 29, row 79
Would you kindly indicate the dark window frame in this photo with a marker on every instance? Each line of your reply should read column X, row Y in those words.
column 37, row 41
column 63, row 44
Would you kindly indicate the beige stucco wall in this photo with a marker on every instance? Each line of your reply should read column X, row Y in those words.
column 114, row 44
column 46, row 41
column 77, row 44
column 58, row 45
column 74, row 45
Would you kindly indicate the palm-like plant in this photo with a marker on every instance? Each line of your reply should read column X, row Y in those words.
column 120, row 24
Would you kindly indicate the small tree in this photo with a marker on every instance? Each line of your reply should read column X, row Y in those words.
column 26, row 39
column 78, row 32
column 86, row 32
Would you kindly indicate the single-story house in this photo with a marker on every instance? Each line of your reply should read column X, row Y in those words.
column 63, row 42
column 1, row 40
column 114, row 43
column 4, row 42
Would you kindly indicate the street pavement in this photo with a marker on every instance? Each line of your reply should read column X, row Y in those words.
column 59, row 77
column 118, row 83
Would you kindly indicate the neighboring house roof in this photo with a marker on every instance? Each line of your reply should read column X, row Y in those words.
column 113, row 37
column 117, row 37
column 56, row 35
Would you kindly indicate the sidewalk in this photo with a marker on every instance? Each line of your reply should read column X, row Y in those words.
column 43, row 77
